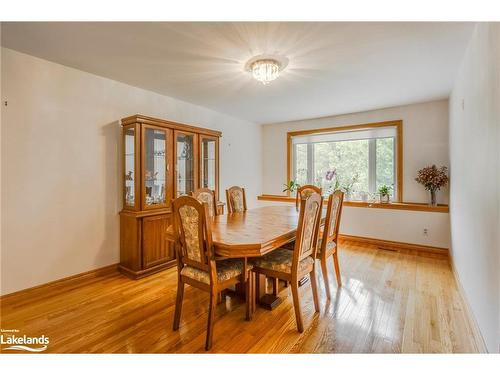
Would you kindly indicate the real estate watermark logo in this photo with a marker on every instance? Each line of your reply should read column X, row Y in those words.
column 10, row 339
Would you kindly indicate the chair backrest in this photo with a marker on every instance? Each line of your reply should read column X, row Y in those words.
column 332, row 221
column 207, row 196
column 305, row 191
column 193, row 233
column 236, row 200
column 307, row 228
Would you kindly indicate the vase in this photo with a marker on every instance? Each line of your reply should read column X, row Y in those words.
column 433, row 198
column 384, row 198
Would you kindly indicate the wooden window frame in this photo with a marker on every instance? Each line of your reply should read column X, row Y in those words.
column 398, row 124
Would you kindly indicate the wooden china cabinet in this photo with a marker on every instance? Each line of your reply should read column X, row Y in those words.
column 161, row 161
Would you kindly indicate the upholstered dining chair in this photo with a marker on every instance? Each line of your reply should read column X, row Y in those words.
column 236, row 200
column 207, row 196
column 327, row 243
column 304, row 191
column 196, row 262
column 292, row 266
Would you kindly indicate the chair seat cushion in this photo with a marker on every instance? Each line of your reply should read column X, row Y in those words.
column 281, row 260
column 226, row 269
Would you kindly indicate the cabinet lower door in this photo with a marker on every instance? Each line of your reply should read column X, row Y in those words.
column 155, row 247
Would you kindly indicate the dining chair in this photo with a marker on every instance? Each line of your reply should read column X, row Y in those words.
column 196, row 264
column 292, row 266
column 327, row 243
column 207, row 196
column 304, row 191
column 236, row 200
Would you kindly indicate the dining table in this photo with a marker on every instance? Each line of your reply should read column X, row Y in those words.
column 254, row 233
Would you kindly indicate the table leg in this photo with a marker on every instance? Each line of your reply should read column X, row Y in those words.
column 266, row 300
column 275, row 286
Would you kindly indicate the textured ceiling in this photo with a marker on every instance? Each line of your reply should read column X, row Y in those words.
column 333, row 67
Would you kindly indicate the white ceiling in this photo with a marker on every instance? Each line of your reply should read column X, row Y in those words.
column 334, row 67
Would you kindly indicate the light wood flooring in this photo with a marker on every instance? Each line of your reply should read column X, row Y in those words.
column 390, row 302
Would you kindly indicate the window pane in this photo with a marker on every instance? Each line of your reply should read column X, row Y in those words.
column 385, row 162
column 363, row 160
column 301, row 164
column 348, row 158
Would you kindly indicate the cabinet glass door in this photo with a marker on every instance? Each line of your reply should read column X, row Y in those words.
column 185, row 163
column 208, row 166
column 155, row 167
column 129, row 166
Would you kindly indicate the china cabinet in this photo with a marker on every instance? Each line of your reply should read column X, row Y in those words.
column 162, row 160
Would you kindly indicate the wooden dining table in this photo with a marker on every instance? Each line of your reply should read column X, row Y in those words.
column 254, row 233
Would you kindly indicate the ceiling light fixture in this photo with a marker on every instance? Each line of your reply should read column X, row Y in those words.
column 265, row 71
column 266, row 68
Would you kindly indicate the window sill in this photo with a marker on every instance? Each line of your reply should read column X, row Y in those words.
column 389, row 206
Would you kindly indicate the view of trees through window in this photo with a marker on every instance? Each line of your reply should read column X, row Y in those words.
column 361, row 166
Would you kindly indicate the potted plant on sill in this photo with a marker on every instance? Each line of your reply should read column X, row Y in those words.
column 433, row 179
column 291, row 187
column 384, row 192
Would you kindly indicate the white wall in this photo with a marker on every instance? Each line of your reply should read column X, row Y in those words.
column 475, row 172
column 393, row 225
column 425, row 141
column 61, row 165
column 1, row 130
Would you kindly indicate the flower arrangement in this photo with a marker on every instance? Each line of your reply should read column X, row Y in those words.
column 433, row 179
column 347, row 187
column 331, row 175
column 349, row 184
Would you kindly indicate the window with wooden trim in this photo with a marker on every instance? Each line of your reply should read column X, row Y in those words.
column 358, row 159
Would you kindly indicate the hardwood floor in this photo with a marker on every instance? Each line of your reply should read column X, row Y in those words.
column 390, row 302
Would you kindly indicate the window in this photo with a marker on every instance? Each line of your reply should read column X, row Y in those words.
column 358, row 159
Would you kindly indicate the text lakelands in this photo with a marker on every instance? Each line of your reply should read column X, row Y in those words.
column 23, row 340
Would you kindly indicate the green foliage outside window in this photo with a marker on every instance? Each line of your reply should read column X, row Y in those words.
column 350, row 162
